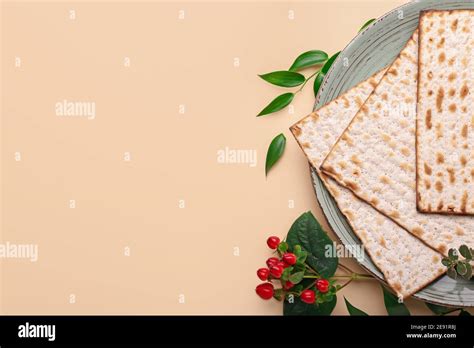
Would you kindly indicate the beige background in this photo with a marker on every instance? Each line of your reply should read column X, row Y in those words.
column 173, row 251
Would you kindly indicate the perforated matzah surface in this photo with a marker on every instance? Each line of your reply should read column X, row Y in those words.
column 445, row 117
column 375, row 157
column 407, row 263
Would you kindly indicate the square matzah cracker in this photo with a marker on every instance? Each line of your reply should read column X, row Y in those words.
column 375, row 157
column 445, row 116
column 407, row 263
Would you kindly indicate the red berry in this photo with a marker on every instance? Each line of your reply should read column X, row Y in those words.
column 282, row 264
column 322, row 285
column 289, row 258
column 308, row 296
column 288, row 285
column 272, row 261
column 273, row 242
column 263, row 273
column 265, row 291
column 276, row 271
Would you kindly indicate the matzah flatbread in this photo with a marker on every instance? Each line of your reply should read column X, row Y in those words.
column 445, row 116
column 375, row 157
column 407, row 264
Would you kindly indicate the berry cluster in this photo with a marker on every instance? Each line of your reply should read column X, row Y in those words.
column 289, row 270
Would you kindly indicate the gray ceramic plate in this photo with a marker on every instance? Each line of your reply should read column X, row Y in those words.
column 370, row 51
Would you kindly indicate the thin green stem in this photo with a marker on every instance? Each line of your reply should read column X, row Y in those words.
column 354, row 276
column 357, row 275
column 346, row 283
column 308, row 286
column 363, row 276
column 346, row 268
column 306, row 81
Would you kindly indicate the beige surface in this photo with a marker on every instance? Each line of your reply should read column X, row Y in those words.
column 135, row 204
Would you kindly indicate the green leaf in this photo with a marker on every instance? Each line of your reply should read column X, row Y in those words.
column 301, row 308
column 308, row 59
column 453, row 254
column 437, row 309
column 307, row 232
column 283, row 247
column 328, row 297
column 297, row 289
column 297, row 277
column 452, row 273
column 277, row 104
column 369, row 22
column 278, row 294
column 317, row 83
column 464, row 313
column 465, row 252
column 322, row 73
column 329, row 63
column 299, row 266
column 275, row 151
column 392, row 305
column 286, row 273
column 284, row 78
column 461, row 268
column 468, row 273
column 302, row 257
column 300, row 254
column 353, row 310
column 446, row 262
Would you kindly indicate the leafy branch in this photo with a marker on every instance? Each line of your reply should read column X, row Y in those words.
column 457, row 266
column 293, row 78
